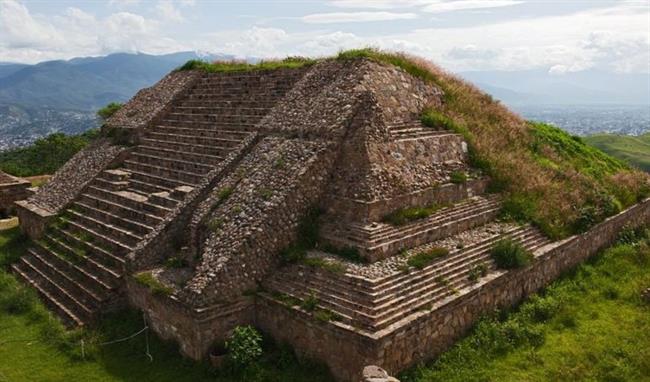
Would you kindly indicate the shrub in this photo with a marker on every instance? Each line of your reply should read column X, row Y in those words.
column 541, row 309
column 407, row 215
column 508, row 254
column 310, row 303
column 422, row 259
column 107, row 111
column 477, row 272
column 156, row 287
column 244, row 346
column 458, row 177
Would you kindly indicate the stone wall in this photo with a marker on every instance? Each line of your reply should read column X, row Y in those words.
column 243, row 233
column 368, row 211
column 194, row 330
column 12, row 189
column 427, row 334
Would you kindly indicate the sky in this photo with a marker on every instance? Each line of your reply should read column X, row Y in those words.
column 562, row 36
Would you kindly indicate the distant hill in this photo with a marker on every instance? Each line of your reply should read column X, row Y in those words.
column 635, row 150
column 85, row 83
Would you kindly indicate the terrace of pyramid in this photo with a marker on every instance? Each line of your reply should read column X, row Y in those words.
column 264, row 197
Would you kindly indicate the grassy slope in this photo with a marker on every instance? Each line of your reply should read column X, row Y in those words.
column 49, row 354
column 46, row 155
column 635, row 150
column 559, row 183
column 591, row 325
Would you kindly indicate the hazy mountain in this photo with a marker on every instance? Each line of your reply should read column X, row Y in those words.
column 586, row 87
column 84, row 83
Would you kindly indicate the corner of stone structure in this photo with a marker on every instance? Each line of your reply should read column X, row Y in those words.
column 33, row 219
column 374, row 373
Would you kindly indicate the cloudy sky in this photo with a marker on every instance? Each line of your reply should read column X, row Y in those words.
column 559, row 36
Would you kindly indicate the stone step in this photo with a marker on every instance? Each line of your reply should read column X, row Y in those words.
column 103, row 262
column 191, row 139
column 247, row 127
column 123, row 222
column 137, row 215
column 106, row 240
column 162, row 176
column 79, row 309
column 129, row 200
column 114, row 231
column 420, row 135
column 221, row 110
column 244, row 103
column 67, row 276
column 91, row 269
column 214, row 118
column 68, row 317
column 172, row 163
column 211, row 133
column 457, row 279
column 218, row 151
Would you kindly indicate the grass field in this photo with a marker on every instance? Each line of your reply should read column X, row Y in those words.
column 33, row 346
column 634, row 150
column 591, row 325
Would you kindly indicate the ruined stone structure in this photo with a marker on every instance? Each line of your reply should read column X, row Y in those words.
column 12, row 189
column 187, row 216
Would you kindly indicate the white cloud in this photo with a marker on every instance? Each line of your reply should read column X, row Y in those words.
column 168, row 11
column 355, row 17
column 121, row 4
column 463, row 5
column 375, row 4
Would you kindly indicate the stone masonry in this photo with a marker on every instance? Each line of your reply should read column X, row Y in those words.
column 185, row 208
column 12, row 189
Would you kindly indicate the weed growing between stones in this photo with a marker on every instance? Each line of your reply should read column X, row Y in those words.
column 410, row 214
column 458, row 177
column 477, row 272
column 156, row 287
column 422, row 259
column 508, row 254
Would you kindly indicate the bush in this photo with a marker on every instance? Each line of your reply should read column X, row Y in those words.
column 407, row 215
column 458, row 177
column 107, row 111
column 508, row 254
column 422, row 259
column 244, row 346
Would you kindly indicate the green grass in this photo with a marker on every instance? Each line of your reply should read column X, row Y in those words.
column 237, row 66
column 633, row 150
column 422, row 259
column 107, row 111
column 509, row 254
column 147, row 279
column 46, row 155
column 590, row 325
column 35, row 347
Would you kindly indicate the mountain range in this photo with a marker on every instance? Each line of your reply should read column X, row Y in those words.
column 51, row 96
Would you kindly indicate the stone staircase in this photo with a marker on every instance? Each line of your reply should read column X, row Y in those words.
column 379, row 240
column 375, row 304
column 77, row 266
column 413, row 129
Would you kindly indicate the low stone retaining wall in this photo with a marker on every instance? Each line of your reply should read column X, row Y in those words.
column 359, row 210
column 11, row 190
column 196, row 331
column 425, row 335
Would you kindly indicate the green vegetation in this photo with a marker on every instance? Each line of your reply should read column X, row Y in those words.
column 477, row 272
column 458, row 177
column 407, row 215
column 175, row 262
column 46, row 155
column 422, row 259
column 156, row 287
column 242, row 66
column 549, row 178
column 591, row 325
column 35, row 346
column 244, row 346
column 107, row 111
column 509, row 254
column 329, row 266
column 633, row 150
